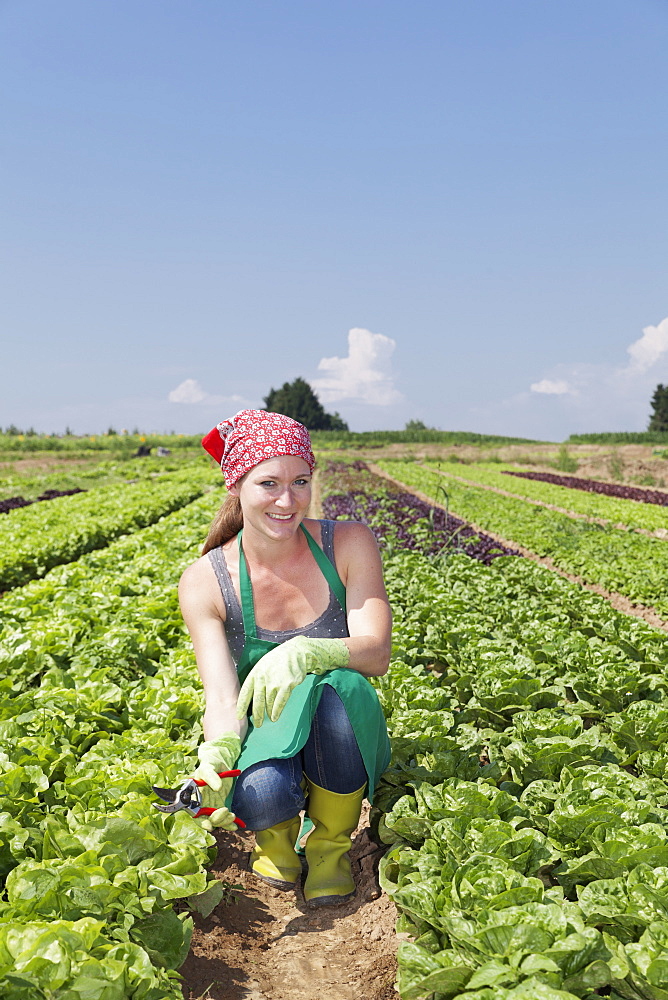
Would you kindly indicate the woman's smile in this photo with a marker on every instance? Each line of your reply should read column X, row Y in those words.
column 278, row 489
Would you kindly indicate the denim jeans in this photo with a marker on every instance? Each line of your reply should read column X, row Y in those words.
column 270, row 792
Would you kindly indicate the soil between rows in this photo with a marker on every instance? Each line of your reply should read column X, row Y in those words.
column 266, row 945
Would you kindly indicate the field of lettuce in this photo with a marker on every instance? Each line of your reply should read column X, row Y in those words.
column 622, row 561
column 617, row 505
column 527, row 802
column 526, row 806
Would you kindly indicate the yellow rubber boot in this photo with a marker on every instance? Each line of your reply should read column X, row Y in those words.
column 274, row 859
column 329, row 880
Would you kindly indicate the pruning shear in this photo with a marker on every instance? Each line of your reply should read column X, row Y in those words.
column 188, row 796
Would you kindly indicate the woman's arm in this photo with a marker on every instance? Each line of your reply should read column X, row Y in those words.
column 369, row 614
column 212, row 652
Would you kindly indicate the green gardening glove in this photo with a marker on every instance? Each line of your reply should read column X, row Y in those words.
column 271, row 680
column 222, row 818
column 214, row 756
column 217, row 755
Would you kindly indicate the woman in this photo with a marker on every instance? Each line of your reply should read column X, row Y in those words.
column 290, row 615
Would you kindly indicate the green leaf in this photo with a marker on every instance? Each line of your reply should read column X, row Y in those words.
column 206, row 902
column 420, row 973
column 164, row 936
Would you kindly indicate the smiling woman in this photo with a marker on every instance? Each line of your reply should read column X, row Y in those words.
column 288, row 617
column 285, row 488
column 277, row 491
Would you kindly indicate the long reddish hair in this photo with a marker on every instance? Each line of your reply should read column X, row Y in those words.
column 227, row 523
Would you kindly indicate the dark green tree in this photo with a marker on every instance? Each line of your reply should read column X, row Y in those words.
column 298, row 400
column 658, row 421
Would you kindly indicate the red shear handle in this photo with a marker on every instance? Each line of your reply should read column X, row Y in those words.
column 221, row 774
column 207, row 810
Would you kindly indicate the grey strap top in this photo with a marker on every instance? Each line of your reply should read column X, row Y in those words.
column 331, row 624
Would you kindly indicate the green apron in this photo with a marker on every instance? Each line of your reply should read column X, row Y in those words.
column 287, row 736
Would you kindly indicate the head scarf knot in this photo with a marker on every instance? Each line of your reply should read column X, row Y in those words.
column 252, row 436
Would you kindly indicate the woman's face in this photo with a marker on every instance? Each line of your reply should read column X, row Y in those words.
column 275, row 495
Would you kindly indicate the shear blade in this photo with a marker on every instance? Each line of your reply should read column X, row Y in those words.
column 170, row 808
column 168, row 794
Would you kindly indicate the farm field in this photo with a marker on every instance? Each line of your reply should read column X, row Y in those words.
column 624, row 562
column 521, row 829
column 648, row 517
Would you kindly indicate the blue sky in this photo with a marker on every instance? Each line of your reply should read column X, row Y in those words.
column 439, row 210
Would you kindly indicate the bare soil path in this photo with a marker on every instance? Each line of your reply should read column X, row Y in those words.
column 266, row 945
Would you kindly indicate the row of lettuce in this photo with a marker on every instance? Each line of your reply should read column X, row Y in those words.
column 399, row 519
column 90, row 473
column 527, row 802
column 625, row 562
column 640, row 494
column 561, row 492
column 36, row 538
column 99, row 701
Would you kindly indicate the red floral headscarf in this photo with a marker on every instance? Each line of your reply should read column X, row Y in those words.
column 251, row 436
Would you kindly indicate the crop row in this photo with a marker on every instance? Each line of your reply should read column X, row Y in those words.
column 71, row 446
column 621, row 561
column 628, row 512
column 638, row 494
column 35, row 539
column 99, row 701
column 13, row 503
column 527, row 802
column 86, row 474
column 400, row 519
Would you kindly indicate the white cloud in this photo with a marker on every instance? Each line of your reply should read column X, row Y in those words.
column 552, row 387
column 646, row 351
column 604, row 396
column 365, row 376
column 628, row 381
column 189, row 391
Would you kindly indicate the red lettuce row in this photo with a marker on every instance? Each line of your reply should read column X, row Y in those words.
column 596, row 486
column 400, row 519
column 13, row 503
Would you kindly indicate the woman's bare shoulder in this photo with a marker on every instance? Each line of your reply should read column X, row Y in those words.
column 353, row 532
column 202, row 571
column 354, row 545
column 199, row 590
column 197, row 572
